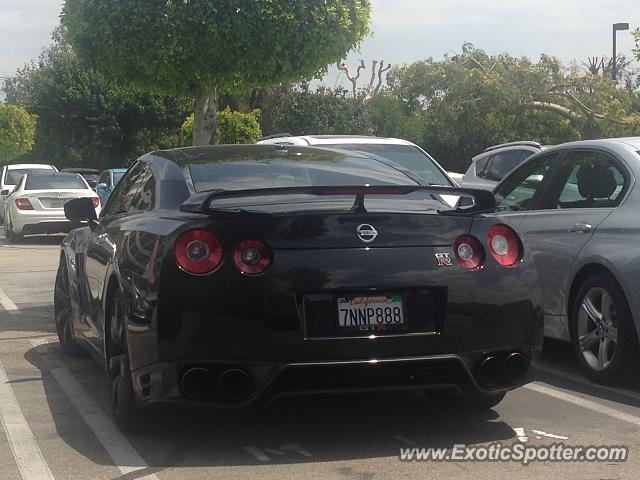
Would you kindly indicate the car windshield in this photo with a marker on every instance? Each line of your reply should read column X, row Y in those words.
column 54, row 181
column 117, row 176
column 13, row 176
column 292, row 170
column 408, row 156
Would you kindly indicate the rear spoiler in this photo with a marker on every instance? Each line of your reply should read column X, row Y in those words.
column 482, row 201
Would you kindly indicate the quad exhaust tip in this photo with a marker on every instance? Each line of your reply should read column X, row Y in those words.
column 197, row 383
column 494, row 370
column 234, row 384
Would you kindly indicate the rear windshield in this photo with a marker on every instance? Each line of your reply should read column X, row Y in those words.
column 255, row 172
column 55, row 181
column 12, row 177
column 408, row 156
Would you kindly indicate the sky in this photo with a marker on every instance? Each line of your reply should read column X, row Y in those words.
column 405, row 31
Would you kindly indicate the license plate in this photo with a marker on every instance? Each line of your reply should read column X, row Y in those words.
column 370, row 313
column 57, row 203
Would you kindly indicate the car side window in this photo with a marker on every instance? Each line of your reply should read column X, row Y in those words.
column 104, row 178
column 502, row 163
column 517, row 191
column 122, row 199
column 481, row 165
column 589, row 179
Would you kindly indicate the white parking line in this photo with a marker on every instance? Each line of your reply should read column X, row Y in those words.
column 584, row 403
column 25, row 450
column 6, row 302
column 114, row 442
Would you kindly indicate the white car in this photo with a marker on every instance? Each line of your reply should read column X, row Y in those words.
column 405, row 154
column 9, row 176
column 36, row 205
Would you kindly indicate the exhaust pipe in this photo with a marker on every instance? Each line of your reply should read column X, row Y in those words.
column 234, row 384
column 489, row 371
column 197, row 383
column 515, row 366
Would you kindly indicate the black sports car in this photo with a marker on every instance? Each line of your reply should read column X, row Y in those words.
column 231, row 275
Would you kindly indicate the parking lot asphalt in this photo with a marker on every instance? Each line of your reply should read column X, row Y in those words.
column 55, row 421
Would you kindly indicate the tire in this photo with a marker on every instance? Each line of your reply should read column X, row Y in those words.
column 123, row 404
column 602, row 331
column 63, row 314
column 9, row 235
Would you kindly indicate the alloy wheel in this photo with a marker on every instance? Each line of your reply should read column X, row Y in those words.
column 597, row 329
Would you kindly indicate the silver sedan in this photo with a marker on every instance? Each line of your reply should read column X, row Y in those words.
column 576, row 208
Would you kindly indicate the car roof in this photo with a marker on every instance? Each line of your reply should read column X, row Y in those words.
column 320, row 140
column 507, row 148
column 81, row 170
column 19, row 166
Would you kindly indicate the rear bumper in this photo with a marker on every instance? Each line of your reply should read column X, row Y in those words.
column 47, row 227
column 163, row 382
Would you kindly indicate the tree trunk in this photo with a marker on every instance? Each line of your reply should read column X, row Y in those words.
column 205, row 125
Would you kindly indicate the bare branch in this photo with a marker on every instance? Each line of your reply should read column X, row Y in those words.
column 352, row 78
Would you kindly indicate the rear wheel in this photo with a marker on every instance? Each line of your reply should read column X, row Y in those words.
column 123, row 404
column 9, row 234
column 62, row 312
column 602, row 330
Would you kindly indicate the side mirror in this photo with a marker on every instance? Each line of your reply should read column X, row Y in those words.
column 102, row 186
column 80, row 210
column 4, row 193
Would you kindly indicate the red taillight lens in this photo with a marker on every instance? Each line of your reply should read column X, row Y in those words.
column 198, row 252
column 96, row 202
column 252, row 257
column 505, row 245
column 469, row 252
column 23, row 204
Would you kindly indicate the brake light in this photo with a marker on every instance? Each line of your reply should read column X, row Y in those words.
column 23, row 204
column 505, row 245
column 252, row 257
column 198, row 252
column 469, row 252
column 96, row 202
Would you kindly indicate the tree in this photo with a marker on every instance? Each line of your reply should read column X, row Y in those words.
column 473, row 100
column 235, row 127
column 204, row 48
column 86, row 118
column 17, row 132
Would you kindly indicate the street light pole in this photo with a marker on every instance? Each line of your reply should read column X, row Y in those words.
column 616, row 28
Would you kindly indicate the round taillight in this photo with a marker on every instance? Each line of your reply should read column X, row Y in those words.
column 198, row 252
column 252, row 257
column 505, row 245
column 469, row 252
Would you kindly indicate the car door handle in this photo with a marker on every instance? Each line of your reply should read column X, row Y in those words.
column 581, row 227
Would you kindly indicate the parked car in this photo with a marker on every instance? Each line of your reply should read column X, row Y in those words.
column 107, row 182
column 89, row 174
column 36, row 205
column 9, row 176
column 492, row 165
column 576, row 208
column 230, row 275
column 402, row 152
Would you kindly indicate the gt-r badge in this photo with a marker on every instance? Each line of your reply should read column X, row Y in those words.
column 366, row 233
column 444, row 259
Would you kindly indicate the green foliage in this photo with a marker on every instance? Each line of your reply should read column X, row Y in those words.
column 235, row 127
column 87, row 119
column 474, row 100
column 181, row 45
column 17, row 132
column 300, row 111
column 636, row 37
column 207, row 47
